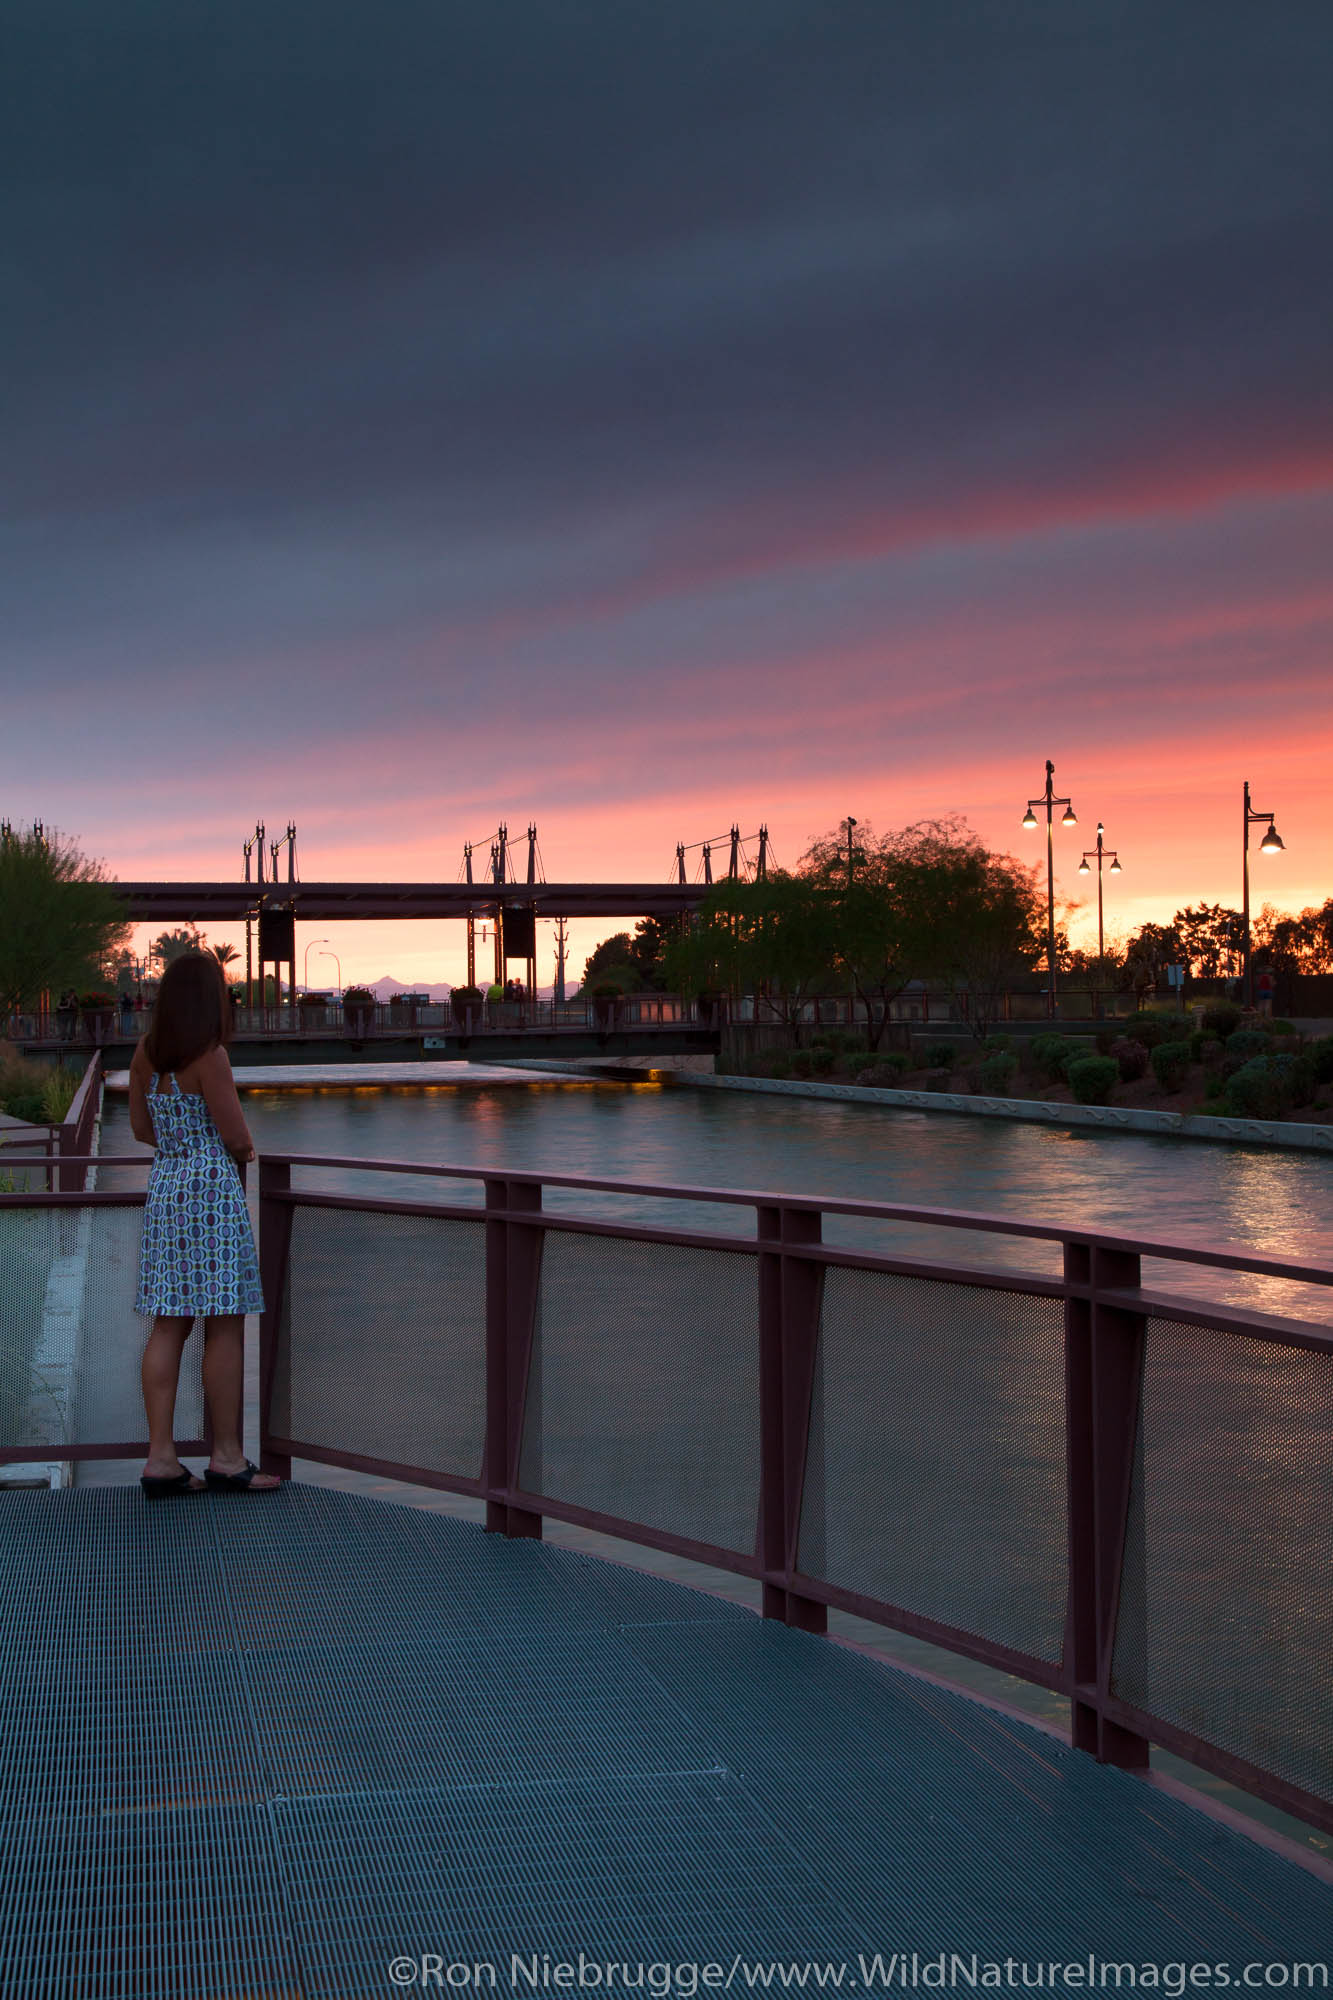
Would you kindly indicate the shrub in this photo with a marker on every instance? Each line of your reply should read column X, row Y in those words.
column 803, row 1062
column 822, row 1060
column 1262, row 1088
column 1150, row 1029
column 998, row 1045
column 1130, row 1058
column 940, row 1055
column 1093, row 1078
column 1221, row 1019
column 997, row 1073
column 1200, row 1042
column 841, row 1041
column 23, row 1088
column 778, row 1064
column 887, row 1073
column 26, row 1105
column 1247, row 1042
column 58, row 1093
column 1171, row 1064
column 1304, row 1083
column 1283, row 1027
column 1049, row 1054
column 1321, row 1059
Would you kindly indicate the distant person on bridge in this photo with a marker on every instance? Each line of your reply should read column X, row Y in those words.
column 197, row 1258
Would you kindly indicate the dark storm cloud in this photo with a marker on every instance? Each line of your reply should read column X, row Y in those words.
column 496, row 260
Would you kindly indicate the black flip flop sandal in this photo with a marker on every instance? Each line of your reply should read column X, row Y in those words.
column 235, row 1482
column 158, row 1487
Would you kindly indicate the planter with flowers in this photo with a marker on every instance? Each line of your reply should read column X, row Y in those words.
column 97, row 1011
column 606, row 1000
column 358, row 1009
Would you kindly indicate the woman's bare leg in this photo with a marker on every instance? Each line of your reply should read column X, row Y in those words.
column 161, row 1373
column 224, row 1382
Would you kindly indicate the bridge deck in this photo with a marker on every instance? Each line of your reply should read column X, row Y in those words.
column 270, row 1746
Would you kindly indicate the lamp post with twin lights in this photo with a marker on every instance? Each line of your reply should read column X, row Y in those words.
column 1272, row 843
column 1049, row 800
column 1099, row 853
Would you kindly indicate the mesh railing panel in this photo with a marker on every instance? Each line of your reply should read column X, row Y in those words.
column 643, row 1394
column 383, row 1338
column 935, row 1478
column 70, row 1340
column 1225, row 1626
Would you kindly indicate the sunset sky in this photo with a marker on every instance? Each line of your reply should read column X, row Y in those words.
column 639, row 417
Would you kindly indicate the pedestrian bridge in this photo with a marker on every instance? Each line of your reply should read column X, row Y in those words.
column 320, row 1746
column 642, row 1025
column 319, row 1743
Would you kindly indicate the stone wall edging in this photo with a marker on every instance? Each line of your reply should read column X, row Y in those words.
column 1101, row 1117
column 1098, row 1117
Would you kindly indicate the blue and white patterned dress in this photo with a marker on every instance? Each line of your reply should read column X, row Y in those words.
column 198, row 1253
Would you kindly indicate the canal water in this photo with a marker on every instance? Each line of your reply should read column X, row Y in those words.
column 1232, row 1197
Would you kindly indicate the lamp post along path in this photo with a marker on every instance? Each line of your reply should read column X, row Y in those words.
column 1272, row 843
column 305, row 963
column 1049, row 800
column 1100, row 853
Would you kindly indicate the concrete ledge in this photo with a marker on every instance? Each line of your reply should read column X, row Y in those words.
column 1092, row 1117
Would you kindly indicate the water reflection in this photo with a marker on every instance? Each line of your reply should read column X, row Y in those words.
column 1223, row 1197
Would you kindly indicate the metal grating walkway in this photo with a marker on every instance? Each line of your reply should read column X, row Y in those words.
column 267, row 1747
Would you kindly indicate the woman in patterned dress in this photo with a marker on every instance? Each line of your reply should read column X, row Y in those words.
column 198, row 1257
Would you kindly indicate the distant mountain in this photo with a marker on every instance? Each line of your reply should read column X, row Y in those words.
column 386, row 986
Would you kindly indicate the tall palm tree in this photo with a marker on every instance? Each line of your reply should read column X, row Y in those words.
column 225, row 953
column 174, row 944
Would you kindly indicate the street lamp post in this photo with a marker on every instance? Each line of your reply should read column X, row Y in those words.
column 1050, row 801
column 337, row 962
column 305, row 965
column 850, row 825
column 1272, row 843
column 1100, row 853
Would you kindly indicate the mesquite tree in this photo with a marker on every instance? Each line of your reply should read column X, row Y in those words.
column 59, row 918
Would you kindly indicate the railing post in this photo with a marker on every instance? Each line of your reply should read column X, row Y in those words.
column 513, row 1281
column 790, row 1293
column 275, row 1360
column 802, row 1300
column 772, row 1462
column 1104, row 1348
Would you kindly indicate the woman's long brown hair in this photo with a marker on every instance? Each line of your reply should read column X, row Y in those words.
column 191, row 1015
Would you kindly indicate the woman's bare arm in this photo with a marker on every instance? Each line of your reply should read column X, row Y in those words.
column 141, row 1123
column 219, row 1090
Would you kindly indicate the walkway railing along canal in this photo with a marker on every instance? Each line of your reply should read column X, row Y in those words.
column 1116, row 1492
